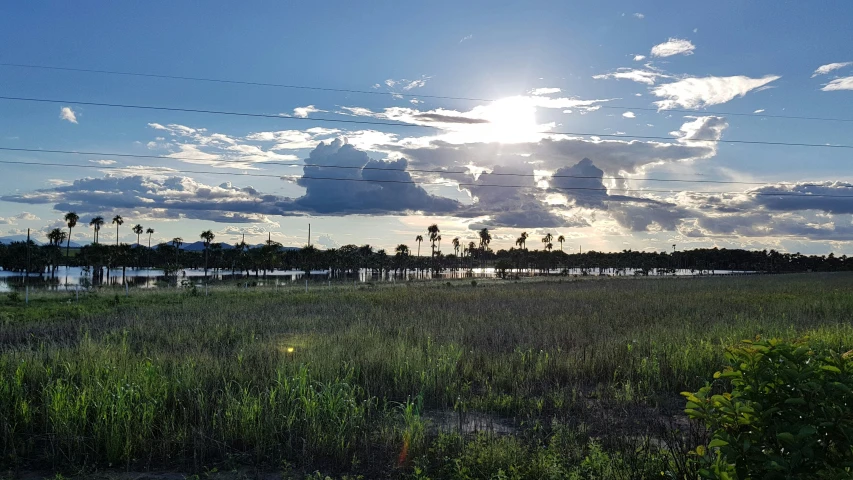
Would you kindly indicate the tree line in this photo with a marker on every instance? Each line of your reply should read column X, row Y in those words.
column 350, row 259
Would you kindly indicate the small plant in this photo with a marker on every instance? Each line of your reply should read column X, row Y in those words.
column 473, row 283
column 14, row 297
column 787, row 415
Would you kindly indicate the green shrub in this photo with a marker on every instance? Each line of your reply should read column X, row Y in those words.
column 788, row 414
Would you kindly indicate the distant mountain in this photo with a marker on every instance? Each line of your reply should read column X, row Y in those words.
column 19, row 238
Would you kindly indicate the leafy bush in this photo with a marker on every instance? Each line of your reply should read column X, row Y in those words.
column 788, row 414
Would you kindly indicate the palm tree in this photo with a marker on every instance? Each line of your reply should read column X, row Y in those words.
column 149, row 231
column 561, row 239
column 177, row 242
column 433, row 235
column 485, row 239
column 137, row 229
column 70, row 220
column 419, row 239
column 519, row 242
column 97, row 223
column 208, row 237
column 438, row 239
column 56, row 237
column 547, row 238
column 523, row 238
column 117, row 220
column 402, row 249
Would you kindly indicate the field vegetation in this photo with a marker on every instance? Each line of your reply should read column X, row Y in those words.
column 539, row 378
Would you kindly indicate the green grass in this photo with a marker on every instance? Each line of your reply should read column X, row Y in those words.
column 352, row 380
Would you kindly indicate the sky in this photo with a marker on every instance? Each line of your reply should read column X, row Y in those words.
column 604, row 122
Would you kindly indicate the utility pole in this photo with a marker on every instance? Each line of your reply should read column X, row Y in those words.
column 309, row 234
column 27, row 272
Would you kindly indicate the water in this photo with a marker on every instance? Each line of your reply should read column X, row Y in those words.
column 71, row 278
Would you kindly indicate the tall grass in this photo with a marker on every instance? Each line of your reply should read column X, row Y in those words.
column 345, row 379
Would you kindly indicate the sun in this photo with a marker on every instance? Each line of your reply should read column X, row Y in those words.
column 511, row 120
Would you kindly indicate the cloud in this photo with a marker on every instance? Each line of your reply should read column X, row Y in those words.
column 648, row 77
column 103, row 162
column 639, row 15
column 639, row 58
column 673, row 46
column 440, row 118
column 372, row 186
column 13, row 220
column 406, row 84
column 844, row 83
column 67, row 114
column 545, row 91
column 703, row 92
column 829, row 67
column 326, row 241
column 760, row 110
column 466, row 37
column 198, row 146
column 303, row 112
column 629, row 115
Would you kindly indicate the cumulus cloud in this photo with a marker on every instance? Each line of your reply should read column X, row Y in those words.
column 303, row 112
column 103, row 162
column 706, row 91
column 829, row 67
column 67, row 114
column 647, row 76
column 760, row 110
column 673, row 46
column 639, row 15
column 844, row 83
column 629, row 115
column 639, row 58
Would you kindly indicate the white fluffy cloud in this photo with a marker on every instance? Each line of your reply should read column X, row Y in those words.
column 639, row 58
column 629, row 115
column 303, row 112
column 67, row 114
column 639, row 15
column 829, row 67
column 706, row 91
column 844, row 83
column 673, row 46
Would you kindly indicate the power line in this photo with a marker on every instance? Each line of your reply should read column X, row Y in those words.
column 374, row 92
column 364, row 122
column 412, row 182
column 415, row 170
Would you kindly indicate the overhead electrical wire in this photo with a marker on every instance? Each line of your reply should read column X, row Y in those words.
column 347, row 167
column 412, row 182
column 386, row 93
column 408, row 125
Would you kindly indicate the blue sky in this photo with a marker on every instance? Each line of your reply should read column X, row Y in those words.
column 737, row 57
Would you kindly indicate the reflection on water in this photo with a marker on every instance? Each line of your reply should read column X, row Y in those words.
column 72, row 278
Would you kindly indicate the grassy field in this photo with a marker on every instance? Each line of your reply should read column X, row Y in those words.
column 542, row 378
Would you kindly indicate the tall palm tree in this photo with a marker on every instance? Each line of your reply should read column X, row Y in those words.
column 177, row 242
column 70, row 220
column 524, row 236
column 137, row 229
column 208, row 237
column 485, row 239
column 96, row 223
column 456, row 245
column 519, row 242
column 561, row 239
column 117, row 220
column 547, row 238
column 149, row 231
column 419, row 239
column 433, row 235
